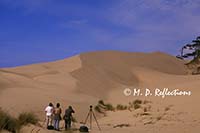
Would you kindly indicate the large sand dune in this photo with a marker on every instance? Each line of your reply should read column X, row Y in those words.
column 84, row 79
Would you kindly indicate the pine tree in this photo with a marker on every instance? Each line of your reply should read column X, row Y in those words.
column 194, row 47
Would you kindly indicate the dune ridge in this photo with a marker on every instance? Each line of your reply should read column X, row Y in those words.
column 84, row 79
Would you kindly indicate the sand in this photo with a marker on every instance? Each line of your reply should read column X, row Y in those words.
column 84, row 79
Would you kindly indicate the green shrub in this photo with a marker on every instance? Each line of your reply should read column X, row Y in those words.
column 101, row 102
column 8, row 122
column 104, row 106
column 109, row 107
column 14, row 125
column 98, row 109
column 121, row 107
column 27, row 118
column 137, row 102
column 137, row 106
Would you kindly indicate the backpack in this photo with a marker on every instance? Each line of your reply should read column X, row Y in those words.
column 83, row 129
column 50, row 127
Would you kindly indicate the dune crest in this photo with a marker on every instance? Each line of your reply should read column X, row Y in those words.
column 84, row 79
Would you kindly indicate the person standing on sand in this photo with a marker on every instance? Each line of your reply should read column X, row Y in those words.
column 57, row 116
column 68, row 117
column 49, row 110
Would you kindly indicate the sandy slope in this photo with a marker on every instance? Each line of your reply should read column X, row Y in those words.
column 83, row 80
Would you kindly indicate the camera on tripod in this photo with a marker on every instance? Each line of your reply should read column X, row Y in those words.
column 90, row 115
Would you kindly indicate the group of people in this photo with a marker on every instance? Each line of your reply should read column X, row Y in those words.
column 53, row 116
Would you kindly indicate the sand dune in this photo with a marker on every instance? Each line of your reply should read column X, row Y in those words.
column 84, row 79
column 103, row 70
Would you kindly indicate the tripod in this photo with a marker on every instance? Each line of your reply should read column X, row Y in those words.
column 90, row 114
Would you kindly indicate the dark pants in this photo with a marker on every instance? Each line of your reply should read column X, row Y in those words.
column 68, row 123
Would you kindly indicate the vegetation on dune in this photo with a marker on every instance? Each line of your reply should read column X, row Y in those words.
column 8, row 122
column 192, row 50
column 140, row 108
column 101, row 102
column 102, row 107
column 98, row 109
column 28, row 118
column 137, row 101
column 109, row 107
column 121, row 107
column 121, row 125
column 136, row 104
column 11, row 124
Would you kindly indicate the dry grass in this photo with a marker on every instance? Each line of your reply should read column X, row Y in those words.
column 8, row 122
column 102, row 106
column 11, row 124
column 27, row 118
column 98, row 109
column 121, row 107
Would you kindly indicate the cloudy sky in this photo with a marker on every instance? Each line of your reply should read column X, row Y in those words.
column 33, row 31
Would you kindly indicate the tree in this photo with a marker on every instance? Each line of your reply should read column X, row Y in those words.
column 194, row 50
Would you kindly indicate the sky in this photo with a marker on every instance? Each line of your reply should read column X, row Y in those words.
column 34, row 31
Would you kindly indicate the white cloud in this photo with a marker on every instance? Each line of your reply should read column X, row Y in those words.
column 156, row 24
column 151, row 24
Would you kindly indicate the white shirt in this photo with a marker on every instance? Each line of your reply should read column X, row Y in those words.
column 49, row 110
